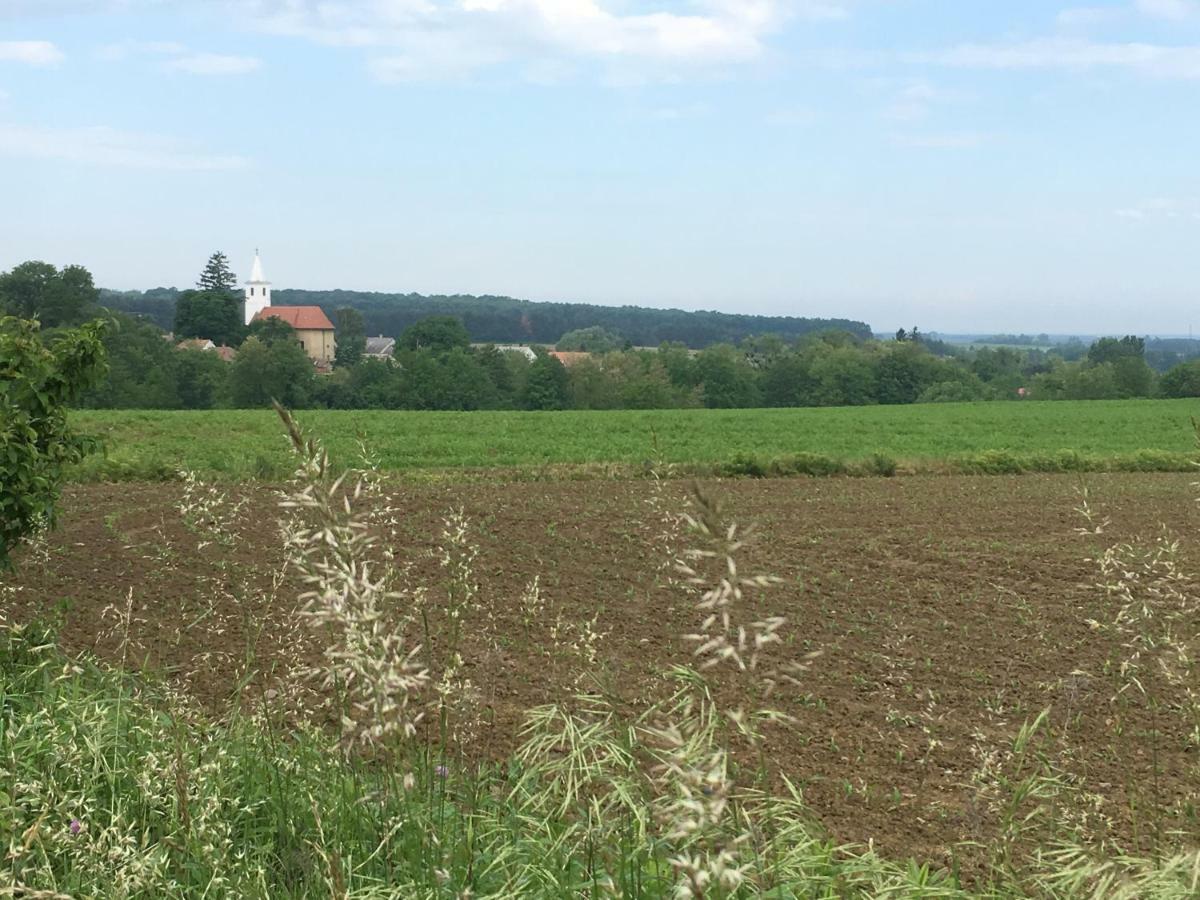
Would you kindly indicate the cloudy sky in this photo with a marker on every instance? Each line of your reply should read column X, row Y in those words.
column 964, row 165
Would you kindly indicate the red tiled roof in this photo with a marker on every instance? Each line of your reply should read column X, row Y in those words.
column 226, row 353
column 302, row 318
column 569, row 357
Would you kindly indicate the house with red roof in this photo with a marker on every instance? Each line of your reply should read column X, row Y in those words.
column 313, row 328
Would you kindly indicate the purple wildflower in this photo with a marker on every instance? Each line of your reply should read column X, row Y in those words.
column 76, row 826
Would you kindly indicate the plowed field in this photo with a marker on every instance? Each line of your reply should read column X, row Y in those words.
column 949, row 610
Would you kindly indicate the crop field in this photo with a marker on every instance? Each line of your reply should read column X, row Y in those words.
column 1132, row 435
column 937, row 616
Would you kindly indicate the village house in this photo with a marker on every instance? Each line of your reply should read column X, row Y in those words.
column 570, row 357
column 380, row 348
column 206, row 346
column 313, row 329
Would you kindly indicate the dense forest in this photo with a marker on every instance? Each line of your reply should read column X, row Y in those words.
column 439, row 365
column 503, row 320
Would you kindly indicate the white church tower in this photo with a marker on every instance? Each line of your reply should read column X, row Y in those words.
column 258, row 291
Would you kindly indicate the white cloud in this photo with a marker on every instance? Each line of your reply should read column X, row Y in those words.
column 102, row 146
column 914, row 101
column 180, row 58
column 33, row 53
column 127, row 49
column 1172, row 10
column 1162, row 209
column 1061, row 53
column 215, row 64
column 434, row 39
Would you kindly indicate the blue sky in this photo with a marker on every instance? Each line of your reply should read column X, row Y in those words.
column 964, row 165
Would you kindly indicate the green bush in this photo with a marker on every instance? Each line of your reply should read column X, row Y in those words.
column 37, row 383
column 881, row 464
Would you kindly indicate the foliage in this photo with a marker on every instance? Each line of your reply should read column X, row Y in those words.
column 216, row 317
column 56, row 297
column 214, row 310
column 271, row 330
column 1135, row 435
column 1182, row 381
column 439, row 334
column 504, row 320
column 216, row 277
column 143, row 368
column 37, row 382
column 351, row 339
column 547, row 386
column 437, row 369
column 267, row 371
column 594, row 339
column 201, row 379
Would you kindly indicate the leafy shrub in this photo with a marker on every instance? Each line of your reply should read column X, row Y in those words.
column 743, row 465
column 880, row 464
column 37, row 382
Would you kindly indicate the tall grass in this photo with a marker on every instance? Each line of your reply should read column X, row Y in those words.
column 111, row 786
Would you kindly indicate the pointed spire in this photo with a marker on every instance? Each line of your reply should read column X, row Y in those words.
column 256, row 272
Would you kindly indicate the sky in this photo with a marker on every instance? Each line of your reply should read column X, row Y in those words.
column 960, row 165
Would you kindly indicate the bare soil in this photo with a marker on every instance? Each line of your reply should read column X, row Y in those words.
column 949, row 611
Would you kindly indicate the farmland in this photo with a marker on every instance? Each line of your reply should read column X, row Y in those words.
column 985, row 437
column 947, row 612
column 478, row 665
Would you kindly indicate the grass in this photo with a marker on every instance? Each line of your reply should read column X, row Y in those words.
column 1122, row 435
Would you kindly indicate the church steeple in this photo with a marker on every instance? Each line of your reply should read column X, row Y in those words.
column 258, row 290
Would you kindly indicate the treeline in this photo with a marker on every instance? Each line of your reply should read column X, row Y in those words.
column 437, row 368
column 503, row 320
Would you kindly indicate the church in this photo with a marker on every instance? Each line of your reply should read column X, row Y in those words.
column 313, row 328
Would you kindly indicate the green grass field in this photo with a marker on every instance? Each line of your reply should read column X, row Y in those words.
column 982, row 437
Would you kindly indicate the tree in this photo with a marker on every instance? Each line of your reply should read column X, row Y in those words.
column 55, row 297
column 1111, row 350
column 272, row 329
column 216, row 277
column 1182, row 381
column 547, row 385
column 350, row 337
column 728, row 380
column 787, row 381
column 213, row 316
column 1129, row 374
column 37, row 383
column 905, row 371
column 201, row 378
column 590, row 340
column 437, row 333
column 142, row 368
column 263, row 372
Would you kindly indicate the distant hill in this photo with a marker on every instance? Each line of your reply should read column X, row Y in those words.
column 507, row 320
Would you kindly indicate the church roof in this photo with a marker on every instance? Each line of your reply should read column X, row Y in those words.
column 256, row 272
column 302, row 318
